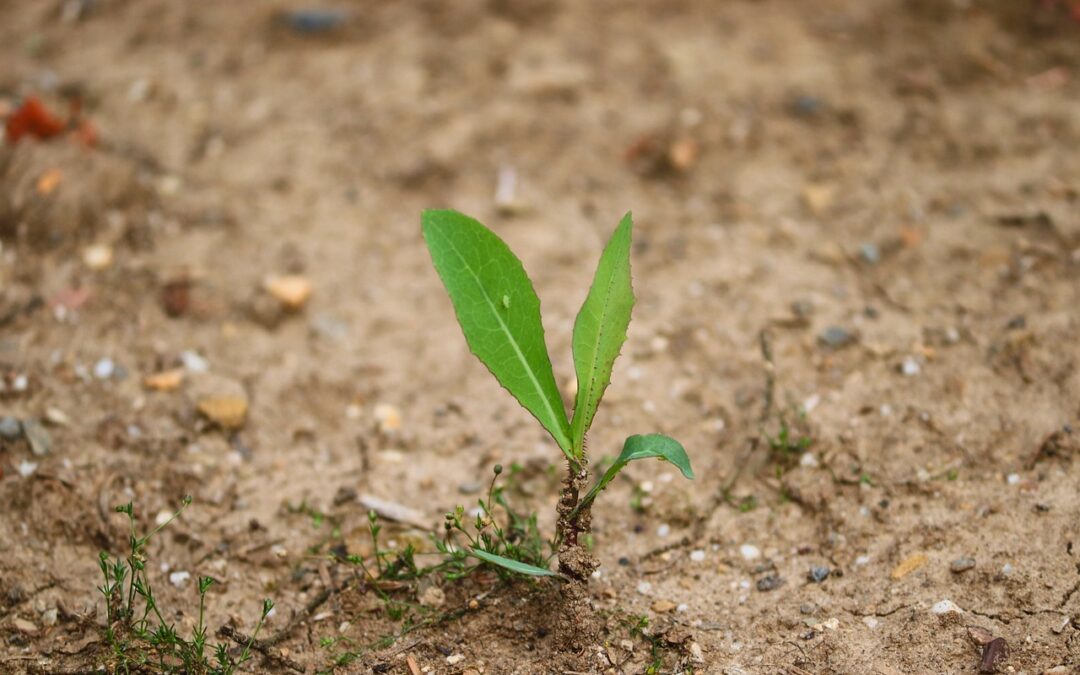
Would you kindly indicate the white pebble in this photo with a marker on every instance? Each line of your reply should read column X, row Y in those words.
column 946, row 607
column 910, row 367
column 862, row 560
column 697, row 556
column 682, row 608
column 27, row 468
column 179, row 579
column 663, row 531
column 20, row 383
column 808, row 460
column 104, row 369
column 193, row 362
column 811, row 402
column 1012, row 478
column 454, row 659
column 870, row 622
column 749, row 552
column 644, row 587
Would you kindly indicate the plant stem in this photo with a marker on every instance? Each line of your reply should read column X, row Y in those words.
column 574, row 560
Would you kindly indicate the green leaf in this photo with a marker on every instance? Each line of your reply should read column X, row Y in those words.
column 512, row 565
column 642, row 447
column 600, row 330
column 499, row 313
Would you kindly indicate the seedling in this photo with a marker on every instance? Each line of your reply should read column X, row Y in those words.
column 499, row 313
column 131, row 610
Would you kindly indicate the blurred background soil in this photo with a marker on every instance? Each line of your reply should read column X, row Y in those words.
column 857, row 221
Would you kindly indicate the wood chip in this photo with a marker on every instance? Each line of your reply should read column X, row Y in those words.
column 411, row 663
column 166, row 380
column 292, row 290
column 909, row 565
column 49, row 181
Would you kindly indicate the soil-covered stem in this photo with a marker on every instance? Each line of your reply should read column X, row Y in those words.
column 577, row 625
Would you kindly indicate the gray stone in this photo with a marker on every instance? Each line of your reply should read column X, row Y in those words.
column 10, row 428
column 37, row 436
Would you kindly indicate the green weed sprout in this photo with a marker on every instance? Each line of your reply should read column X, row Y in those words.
column 499, row 313
column 132, row 610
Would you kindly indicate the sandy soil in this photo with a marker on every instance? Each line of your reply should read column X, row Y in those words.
column 857, row 219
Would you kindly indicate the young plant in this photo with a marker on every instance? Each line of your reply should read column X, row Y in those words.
column 499, row 313
column 132, row 610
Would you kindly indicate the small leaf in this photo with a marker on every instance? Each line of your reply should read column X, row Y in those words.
column 499, row 313
column 642, row 447
column 512, row 565
column 600, row 329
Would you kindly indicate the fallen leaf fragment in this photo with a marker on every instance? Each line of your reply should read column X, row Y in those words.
column 32, row 118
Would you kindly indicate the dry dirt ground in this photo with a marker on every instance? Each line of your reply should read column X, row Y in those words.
column 856, row 220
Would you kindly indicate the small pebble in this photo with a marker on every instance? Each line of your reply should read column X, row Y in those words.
column 946, row 607
column 470, row 488
column 313, row 21
column 994, row 654
column 292, row 291
column 870, row 253
column 697, row 556
column 10, row 428
column 910, row 367
column 769, row 583
column 1012, row 478
column 57, row 417
column 454, row 659
column 98, row 257
column 104, row 368
column 38, row 438
column 644, row 587
column 663, row 531
column 749, row 552
column 388, row 418
column 663, row 606
column 25, row 627
column 818, row 574
column 50, row 617
column 179, row 579
column 836, row 337
column 27, row 469
column 870, row 622
column 808, row 460
column 194, row 363
column 1007, row 569
column 961, row 565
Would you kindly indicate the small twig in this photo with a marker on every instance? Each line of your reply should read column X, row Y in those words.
column 685, row 541
column 264, row 647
